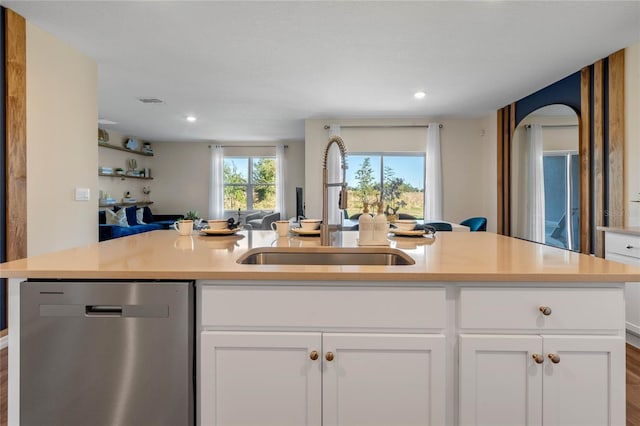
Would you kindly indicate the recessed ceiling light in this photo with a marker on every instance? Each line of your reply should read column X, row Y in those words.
column 419, row 95
column 191, row 118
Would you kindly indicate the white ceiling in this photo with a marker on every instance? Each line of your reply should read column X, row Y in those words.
column 254, row 71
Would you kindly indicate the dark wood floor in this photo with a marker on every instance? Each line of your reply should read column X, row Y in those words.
column 633, row 386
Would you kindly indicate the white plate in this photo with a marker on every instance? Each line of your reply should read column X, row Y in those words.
column 220, row 231
column 301, row 231
column 412, row 233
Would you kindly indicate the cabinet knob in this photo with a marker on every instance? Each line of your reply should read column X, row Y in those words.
column 555, row 358
column 629, row 246
column 539, row 359
column 313, row 355
column 329, row 356
column 545, row 310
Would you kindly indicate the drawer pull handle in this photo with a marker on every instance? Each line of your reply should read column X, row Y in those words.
column 545, row 310
column 629, row 246
column 539, row 359
column 555, row 358
column 329, row 356
column 313, row 355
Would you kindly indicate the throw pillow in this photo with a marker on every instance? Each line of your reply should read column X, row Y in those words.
column 117, row 218
column 131, row 215
column 140, row 216
column 147, row 216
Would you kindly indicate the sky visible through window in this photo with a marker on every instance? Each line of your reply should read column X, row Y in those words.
column 410, row 168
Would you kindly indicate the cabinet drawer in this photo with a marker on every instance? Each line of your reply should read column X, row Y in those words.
column 571, row 309
column 323, row 307
column 624, row 244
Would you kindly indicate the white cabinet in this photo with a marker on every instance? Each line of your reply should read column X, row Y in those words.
column 286, row 378
column 260, row 379
column 427, row 354
column 384, row 379
column 541, row 356
column 541, row 380
column 625, row 248
column 330, row 355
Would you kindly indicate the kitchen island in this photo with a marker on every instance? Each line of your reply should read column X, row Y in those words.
column 482, row 329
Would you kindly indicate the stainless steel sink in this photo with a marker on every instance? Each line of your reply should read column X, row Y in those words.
column 325, row 256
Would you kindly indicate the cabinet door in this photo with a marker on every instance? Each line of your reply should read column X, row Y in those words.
column 500, row 382
column 587, row 384
column 260, row 378
column 384, row 379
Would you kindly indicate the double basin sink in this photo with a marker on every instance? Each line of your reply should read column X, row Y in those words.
column 325, row 256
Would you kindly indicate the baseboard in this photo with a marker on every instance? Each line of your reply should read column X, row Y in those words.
column 633, row 340
column 4, row 342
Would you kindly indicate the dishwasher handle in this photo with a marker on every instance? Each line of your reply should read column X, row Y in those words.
column 103, row 310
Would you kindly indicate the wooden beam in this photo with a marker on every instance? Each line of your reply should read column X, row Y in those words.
column 598, row 156
column 16, row 140
column 585, row 156
column 500, row 183
column 506, row 124
column 616, row 123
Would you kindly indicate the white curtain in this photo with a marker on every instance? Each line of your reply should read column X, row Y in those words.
column 281, row 204
column 535, row 217
column 433, row 175
column 216, row 192
column 334, row 174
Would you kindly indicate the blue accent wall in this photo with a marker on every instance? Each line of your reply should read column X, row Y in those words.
column 565, row 91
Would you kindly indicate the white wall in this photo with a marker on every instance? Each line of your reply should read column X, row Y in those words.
column 181, row 173
column 62, row 152
column 468, row 155
column 632, row 134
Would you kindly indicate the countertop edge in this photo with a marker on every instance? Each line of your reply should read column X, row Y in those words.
column 327, row 276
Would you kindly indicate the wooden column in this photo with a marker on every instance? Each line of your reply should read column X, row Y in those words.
column 585, row 156
column 506, row 127
column 16, row 139
column 598, row 156
column 616, row 140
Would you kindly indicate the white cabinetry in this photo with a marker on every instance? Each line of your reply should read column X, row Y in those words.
column 255, row 371
column 541, row 380
column 541, row 356
column 625, row 248
column 260, row 379
column 436, row 354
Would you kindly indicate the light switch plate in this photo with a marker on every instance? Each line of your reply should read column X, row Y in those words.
column 82, row 194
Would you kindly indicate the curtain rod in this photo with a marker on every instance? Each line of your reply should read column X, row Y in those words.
column 382, row 126
column 248, row 146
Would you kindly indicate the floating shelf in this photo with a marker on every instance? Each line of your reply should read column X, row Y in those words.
column 119, row 148
column 138, row 203
column 125, row 176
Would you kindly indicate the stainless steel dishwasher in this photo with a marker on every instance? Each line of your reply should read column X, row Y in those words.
column 106, row 353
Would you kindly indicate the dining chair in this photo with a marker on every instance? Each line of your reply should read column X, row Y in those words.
column 440, row 226
column 475, row 223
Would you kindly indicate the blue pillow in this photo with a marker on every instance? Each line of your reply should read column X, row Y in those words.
column 147, row 216
column 131, row 216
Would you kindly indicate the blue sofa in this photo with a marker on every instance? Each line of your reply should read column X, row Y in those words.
column 151, row 223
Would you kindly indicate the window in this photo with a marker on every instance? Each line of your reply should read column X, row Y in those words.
column 561, row 197
column 399, row 177
column 249, row 183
